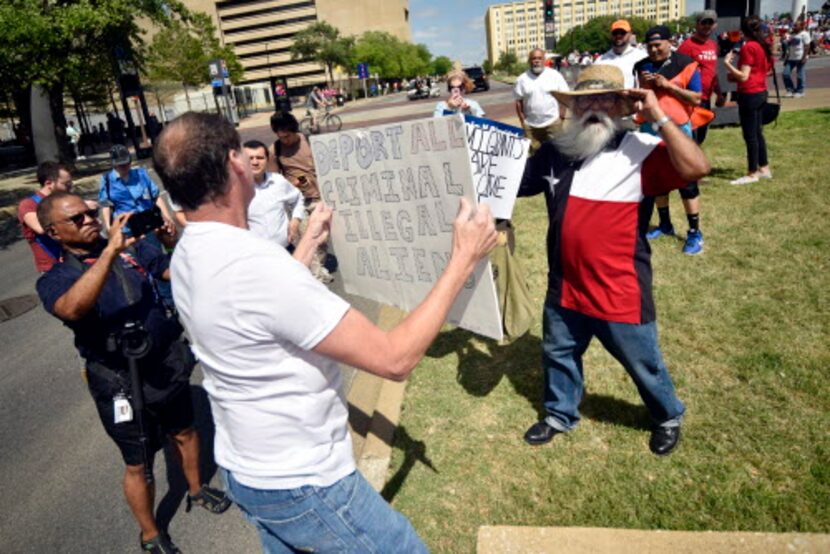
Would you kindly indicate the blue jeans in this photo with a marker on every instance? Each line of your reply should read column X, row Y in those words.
column 346, row 517
column 798, row 66
column 566, row 335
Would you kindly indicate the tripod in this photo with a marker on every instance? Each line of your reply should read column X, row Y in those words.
column 135, row 344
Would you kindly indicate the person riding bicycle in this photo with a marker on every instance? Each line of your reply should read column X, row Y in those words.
column 316, row 106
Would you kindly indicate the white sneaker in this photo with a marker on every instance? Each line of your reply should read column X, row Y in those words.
column 798, row 95
column 745, row 180
column 765, row 174
column 789, row 94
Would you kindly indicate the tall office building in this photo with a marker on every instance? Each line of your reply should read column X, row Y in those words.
column 518, row 27
column 261, row 31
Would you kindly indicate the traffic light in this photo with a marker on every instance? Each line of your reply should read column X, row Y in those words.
column 548, row 10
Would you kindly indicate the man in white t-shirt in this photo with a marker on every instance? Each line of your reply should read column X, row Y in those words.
column 623, row 54
column 536, row 107
column 277, row 209
column 798, row 51
column 270, row 336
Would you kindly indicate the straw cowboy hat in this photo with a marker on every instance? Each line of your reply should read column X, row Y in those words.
column 594, row 79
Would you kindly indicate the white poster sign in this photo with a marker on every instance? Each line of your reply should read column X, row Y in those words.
column 395, row 191
column 498, row 153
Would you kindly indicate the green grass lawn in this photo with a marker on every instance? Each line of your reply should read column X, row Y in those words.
column 744, row 330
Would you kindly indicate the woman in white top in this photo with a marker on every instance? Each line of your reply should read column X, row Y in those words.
column 458, row 84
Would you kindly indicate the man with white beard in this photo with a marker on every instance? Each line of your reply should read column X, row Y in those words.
column 599, row 182
column 537, row 110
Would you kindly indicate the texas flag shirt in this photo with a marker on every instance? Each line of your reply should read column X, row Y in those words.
column 599, row 261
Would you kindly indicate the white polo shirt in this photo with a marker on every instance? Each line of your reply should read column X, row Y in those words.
column 275, row 202
column 625, row 62
column 540, row 107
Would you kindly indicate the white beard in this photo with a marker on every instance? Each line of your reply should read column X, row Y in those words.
column 537, row 70
column 580, row 140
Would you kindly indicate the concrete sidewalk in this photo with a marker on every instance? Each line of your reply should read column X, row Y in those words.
column 592, row 540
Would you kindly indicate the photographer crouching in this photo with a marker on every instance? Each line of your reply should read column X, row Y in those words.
column 138, row 367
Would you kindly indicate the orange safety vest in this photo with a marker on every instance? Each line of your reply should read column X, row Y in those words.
column 680, row 112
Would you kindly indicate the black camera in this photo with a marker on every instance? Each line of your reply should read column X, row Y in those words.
column 141, row 223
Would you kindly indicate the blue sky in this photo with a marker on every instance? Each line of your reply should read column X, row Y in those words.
column 455, row 28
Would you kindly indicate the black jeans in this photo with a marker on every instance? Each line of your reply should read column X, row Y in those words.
column 750, row 107
column 699, row 134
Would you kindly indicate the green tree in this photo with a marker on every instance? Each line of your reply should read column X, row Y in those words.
column 441, row 65
column 487, row 66
column 594, row 36
column 55, row 45
column 683, row 24
column 507, row 60
column 390, row 57
column 323, row 44
column 180, row 53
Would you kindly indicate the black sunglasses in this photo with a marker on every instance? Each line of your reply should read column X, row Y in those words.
column 79, row 218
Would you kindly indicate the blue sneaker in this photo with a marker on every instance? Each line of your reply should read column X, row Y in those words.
column 694, row 243
column 659, row 231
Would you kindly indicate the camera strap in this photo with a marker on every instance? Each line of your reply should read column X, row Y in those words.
column 130, row 294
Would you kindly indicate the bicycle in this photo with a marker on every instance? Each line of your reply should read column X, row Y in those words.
column 328, row 123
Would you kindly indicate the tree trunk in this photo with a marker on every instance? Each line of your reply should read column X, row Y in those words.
column 114, row 105
column 65, row 151
column 42, row 126
column 187, row 97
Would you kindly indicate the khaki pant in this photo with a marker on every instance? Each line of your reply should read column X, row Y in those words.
column 540, row 135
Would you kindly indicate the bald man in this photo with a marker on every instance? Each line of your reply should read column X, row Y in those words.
column 537, row 109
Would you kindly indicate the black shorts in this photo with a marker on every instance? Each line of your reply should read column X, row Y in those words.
column 170, row 418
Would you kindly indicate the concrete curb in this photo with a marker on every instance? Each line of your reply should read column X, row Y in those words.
column 374, row 413
column 588, row 540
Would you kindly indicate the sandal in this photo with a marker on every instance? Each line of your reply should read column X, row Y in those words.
column 160, row 544
column 212, row 500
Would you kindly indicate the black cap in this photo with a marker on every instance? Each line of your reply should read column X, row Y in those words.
column 660, row 32
column 120, row 155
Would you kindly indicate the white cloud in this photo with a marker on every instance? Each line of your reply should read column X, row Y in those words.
column 427, row 33
column 425, row 13
column 476, row 23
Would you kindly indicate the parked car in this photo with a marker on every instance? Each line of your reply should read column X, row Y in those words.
column 479, row 78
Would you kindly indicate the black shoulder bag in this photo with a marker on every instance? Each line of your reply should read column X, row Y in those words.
column 769, row 112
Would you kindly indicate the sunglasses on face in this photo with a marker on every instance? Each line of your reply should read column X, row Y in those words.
column 619, row 33
column 707, row 22
column 454, row 89
column 79, row 218
column 602, row 100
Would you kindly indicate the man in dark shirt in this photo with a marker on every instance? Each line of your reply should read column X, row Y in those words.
column 599, row 182
column 99, row 288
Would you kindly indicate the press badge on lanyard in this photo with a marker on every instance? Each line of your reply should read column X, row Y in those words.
column 122, row 410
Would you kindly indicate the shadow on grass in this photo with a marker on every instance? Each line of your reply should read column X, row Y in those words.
column 479, row 373
column 414, row 451
column 724, row 173
column 608, row 409
column 176, row 483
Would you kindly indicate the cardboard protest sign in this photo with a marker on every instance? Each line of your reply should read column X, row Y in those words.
column 395, row 191
column 498, row 153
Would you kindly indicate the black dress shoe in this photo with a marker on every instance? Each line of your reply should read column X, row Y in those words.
column 540, row 433
column 664, row 440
